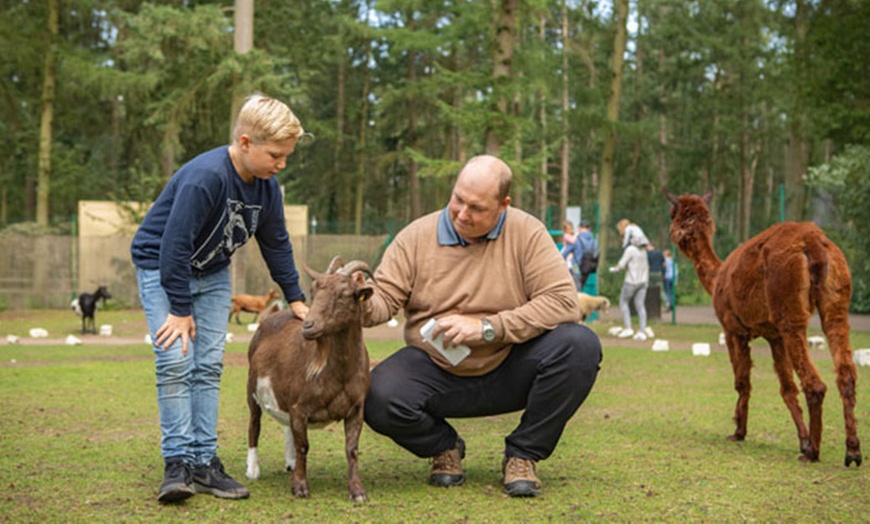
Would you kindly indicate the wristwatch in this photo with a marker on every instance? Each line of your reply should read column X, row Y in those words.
column 488, row 331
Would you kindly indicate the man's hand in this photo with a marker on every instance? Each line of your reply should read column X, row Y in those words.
column 175, row 327
column 299, row 309
column 459, row 329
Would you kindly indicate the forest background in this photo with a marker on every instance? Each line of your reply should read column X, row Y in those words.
column 594, row 104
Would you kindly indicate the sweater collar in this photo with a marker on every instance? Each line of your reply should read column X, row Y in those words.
column 447, row 235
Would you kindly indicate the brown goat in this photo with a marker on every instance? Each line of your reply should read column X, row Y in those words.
column 313, row 371
column 769, row 287
column 251, row 304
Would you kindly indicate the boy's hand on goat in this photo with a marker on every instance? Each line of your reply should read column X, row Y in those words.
column 299, row 309
column 175, row 327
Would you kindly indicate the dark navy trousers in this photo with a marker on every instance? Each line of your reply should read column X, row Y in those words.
column 547, row 377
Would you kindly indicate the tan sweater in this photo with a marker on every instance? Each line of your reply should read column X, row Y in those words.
column 519, row 281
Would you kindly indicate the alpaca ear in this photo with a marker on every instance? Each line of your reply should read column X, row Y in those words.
column 708, row 196
column 672, row 197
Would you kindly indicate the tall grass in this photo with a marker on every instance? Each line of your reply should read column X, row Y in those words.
column 79, row 442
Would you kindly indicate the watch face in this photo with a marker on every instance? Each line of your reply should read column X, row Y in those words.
column 488, row 331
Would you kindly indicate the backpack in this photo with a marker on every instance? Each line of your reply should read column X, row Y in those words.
column 589, row 260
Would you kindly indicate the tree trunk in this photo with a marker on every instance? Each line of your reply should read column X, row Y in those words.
column 338, row 178
column 43, row 171
column 243, row 42
column 565, row 156
column 413, row 178
column 798, row 156
column 662, row 158
column 363, row 144
column 502, row 71
column 541, row 180
column 605, row 187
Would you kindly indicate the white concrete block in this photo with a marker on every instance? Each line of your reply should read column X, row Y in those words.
column 12, row 339
column 660, row 345
column 816, row 342
column 701, row 349
column 148, row 338
column 393, row 323
column 721, row 339
column 253, row 327
column 72, row 340
column 106, row 330
column 229, row 337
column 861, row 357
column 38, row 333
column 615, row 330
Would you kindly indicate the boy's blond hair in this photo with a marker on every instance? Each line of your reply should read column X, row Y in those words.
column 266, row 119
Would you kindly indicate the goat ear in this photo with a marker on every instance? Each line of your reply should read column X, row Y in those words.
column 364, row 293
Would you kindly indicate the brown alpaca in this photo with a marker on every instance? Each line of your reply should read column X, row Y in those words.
column 769, row 287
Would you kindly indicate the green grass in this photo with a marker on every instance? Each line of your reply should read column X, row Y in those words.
column 79, row 442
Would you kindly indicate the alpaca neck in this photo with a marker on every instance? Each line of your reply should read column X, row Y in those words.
column 706, row 263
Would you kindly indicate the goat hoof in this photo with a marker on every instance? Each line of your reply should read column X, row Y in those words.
column 853, row 457
column 359, row 497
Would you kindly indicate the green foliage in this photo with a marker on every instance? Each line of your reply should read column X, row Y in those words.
column 847, row 179
column 400, row 92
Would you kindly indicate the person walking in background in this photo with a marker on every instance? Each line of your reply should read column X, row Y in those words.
column 211, row 206
column 669, row 279
column 656, row 261
column 631, row 234
column 573, row 264
column 504, row 334
column 585, row 251
column 636, row 265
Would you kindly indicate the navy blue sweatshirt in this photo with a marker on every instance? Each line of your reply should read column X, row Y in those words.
column 203, row 215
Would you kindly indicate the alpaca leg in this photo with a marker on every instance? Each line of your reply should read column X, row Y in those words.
column 784, row 368
column 795, row 342
column 841, row 352
column 741, row 363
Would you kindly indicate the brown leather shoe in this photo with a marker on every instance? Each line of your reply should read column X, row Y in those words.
column 447, row 466
column 519, row 477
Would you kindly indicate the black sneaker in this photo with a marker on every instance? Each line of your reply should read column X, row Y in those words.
column 212, row 478
column 177, row 482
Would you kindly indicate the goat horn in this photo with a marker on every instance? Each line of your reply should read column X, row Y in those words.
column 356, row 265
column 335, row 265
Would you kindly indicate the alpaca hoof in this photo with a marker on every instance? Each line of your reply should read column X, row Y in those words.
column 853, row 457
column 809, row 456
column 359, row 498
column 805, row 446
column 301, row 491
column 735, row 438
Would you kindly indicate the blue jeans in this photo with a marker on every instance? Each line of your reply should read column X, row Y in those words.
column 188, row 386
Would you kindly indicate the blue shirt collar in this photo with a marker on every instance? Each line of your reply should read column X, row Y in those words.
column 447, row 235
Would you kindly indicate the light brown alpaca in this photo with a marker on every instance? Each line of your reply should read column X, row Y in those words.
column 769, row 287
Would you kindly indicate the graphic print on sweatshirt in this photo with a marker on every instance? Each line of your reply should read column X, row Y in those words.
column 236, row 226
